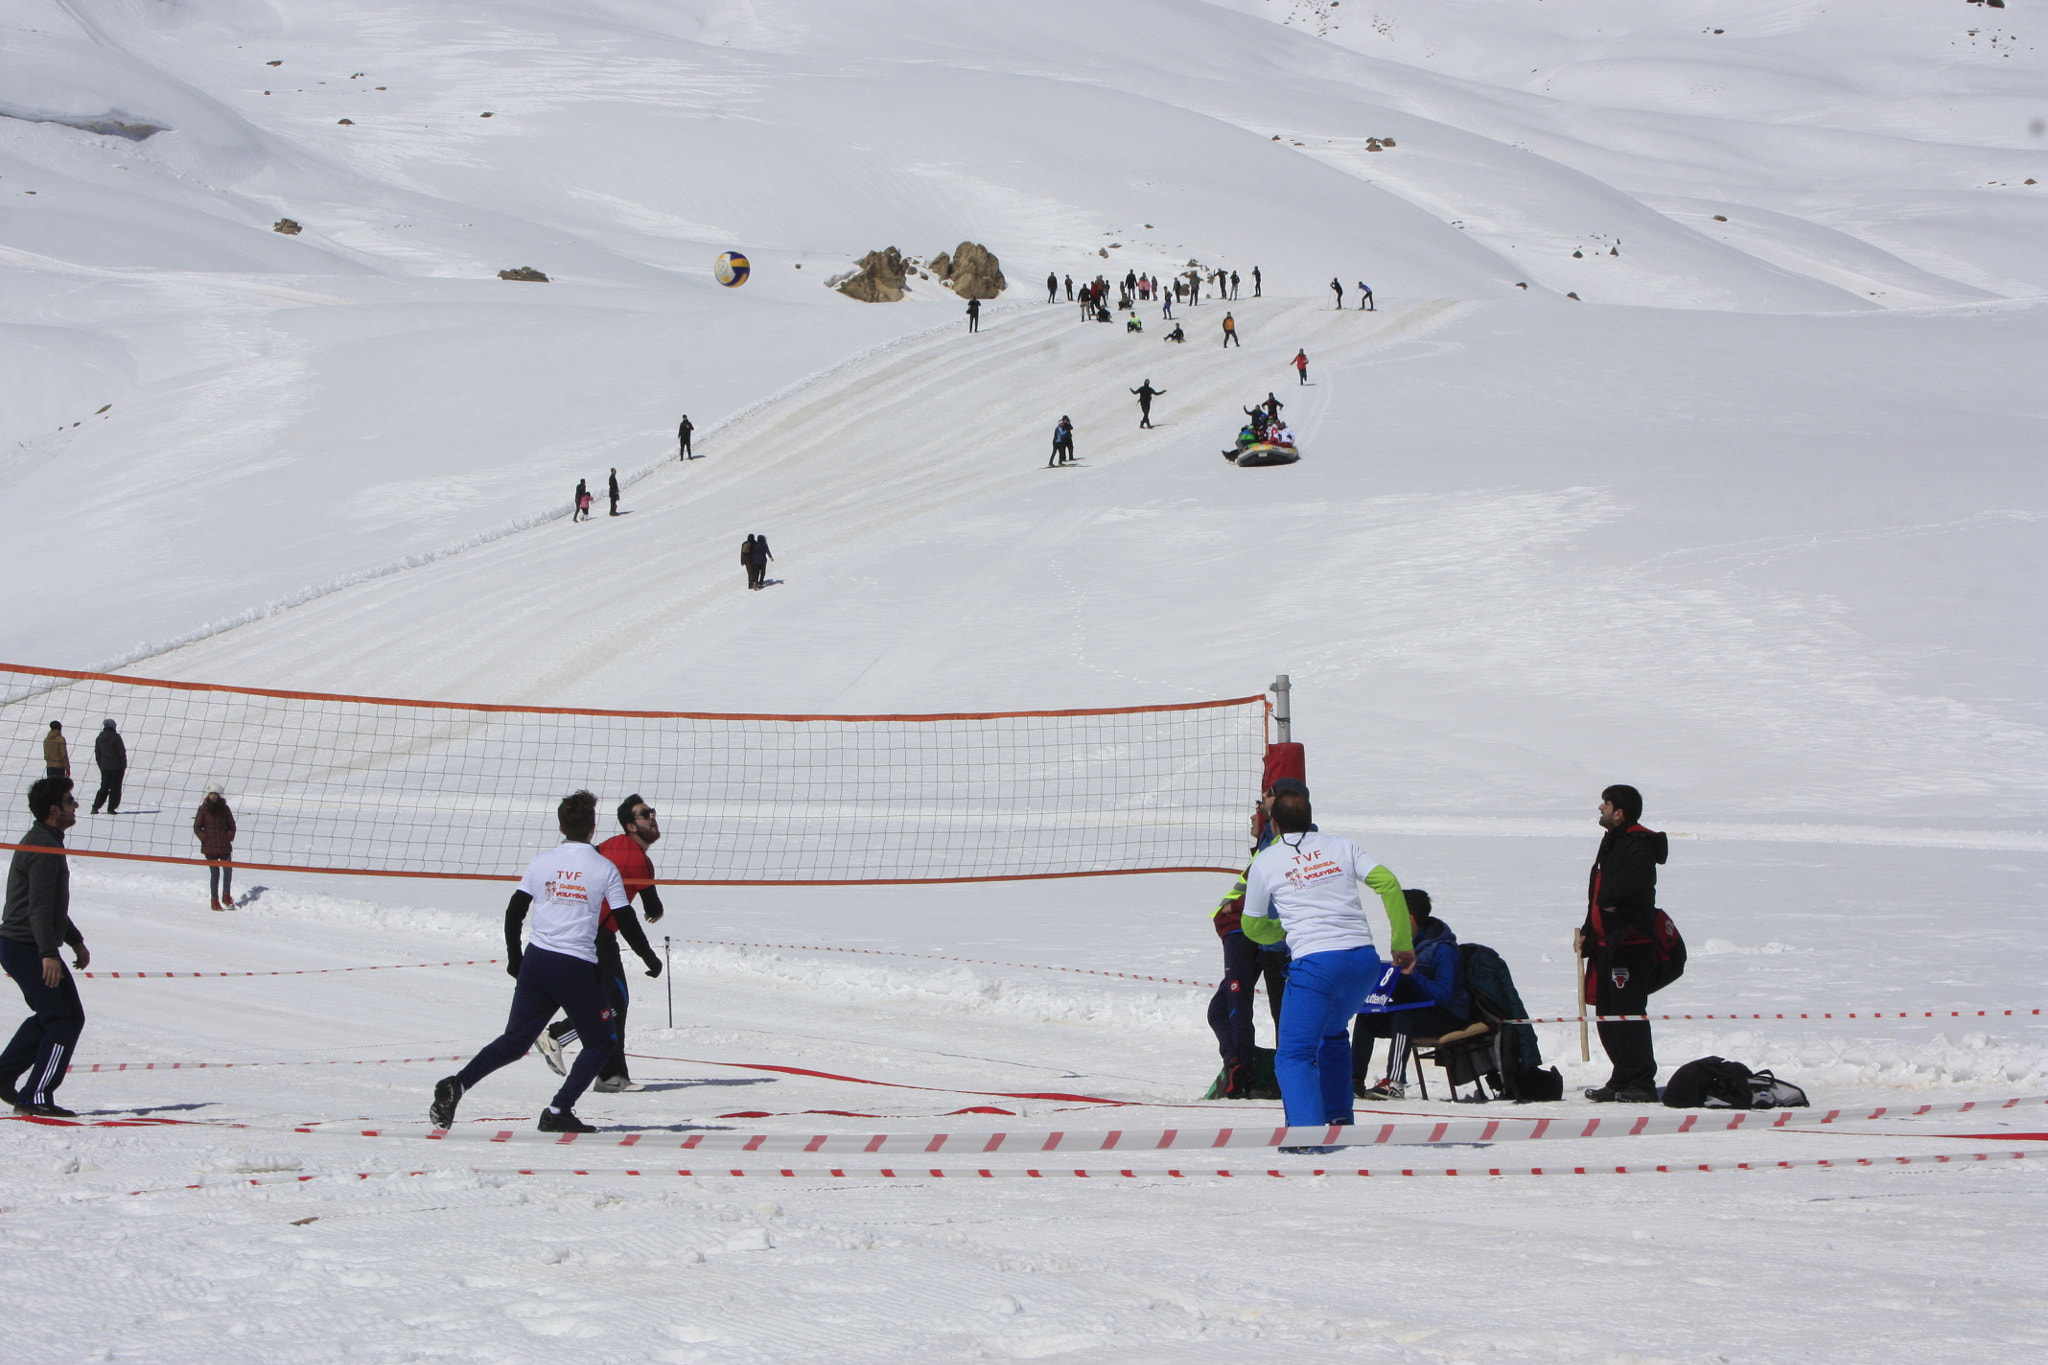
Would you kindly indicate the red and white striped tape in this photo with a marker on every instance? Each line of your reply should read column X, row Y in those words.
column 301, row 971
column 222, row 1066
column 1142, row 1173
column 1410, row 1133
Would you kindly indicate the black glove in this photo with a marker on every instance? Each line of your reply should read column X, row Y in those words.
column 653, row 965
column 512, row 965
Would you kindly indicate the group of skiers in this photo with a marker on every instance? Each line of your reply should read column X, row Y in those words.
column 1295, row 921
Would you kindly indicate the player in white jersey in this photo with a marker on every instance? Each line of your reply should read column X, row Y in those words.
column 1304, row 886
column 569, row 890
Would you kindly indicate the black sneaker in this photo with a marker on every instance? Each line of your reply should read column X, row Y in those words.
column 46, row 1110
column 447, row 1094
column 1637, row 1094
column 563, row 1121
column 1602, row 1094
column 8, row 1097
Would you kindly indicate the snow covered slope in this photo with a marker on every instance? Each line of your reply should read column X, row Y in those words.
column 1754, row 521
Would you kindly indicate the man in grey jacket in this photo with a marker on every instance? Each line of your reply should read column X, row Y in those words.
column 34, row 926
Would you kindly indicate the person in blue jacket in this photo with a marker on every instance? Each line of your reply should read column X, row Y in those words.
column 1438, row 977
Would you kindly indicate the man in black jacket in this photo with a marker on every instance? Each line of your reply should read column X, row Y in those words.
column 110, row 751
column 1619, row 942
column 33, row 929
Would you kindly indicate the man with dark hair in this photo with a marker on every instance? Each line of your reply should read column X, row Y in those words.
column 1258, row 283
column 1436, row 981
column 56, row 753
column 628, row 852
column 612, row 490
column 683, row 430
column 1231, row 1008
column 1303, row 886
column 1618, row 940
column 33, row 929
column 757, row 557
column 110, row 751
column 1052, row 288
column 1146, row 393
column 572, row 888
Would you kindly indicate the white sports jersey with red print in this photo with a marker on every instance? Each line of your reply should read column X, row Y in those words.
column 572, row 887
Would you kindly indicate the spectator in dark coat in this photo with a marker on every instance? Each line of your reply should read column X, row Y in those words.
column 1618, row 940
column 757, row 561
column 612, row 491
column 110, row 751
column 683, row 431
column 214, row 823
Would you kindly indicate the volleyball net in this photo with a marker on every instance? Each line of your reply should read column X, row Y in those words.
column 390, row 787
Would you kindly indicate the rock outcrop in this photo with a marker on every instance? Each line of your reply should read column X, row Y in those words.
column 971, row 271
column 877, row 278
column 288, row 226
column 524, row 272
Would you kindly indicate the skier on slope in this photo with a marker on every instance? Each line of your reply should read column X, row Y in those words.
column 1337, row 285
column 1146, row 393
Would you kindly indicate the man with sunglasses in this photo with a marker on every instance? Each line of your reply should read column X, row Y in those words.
column 34, row 927
column 627, row 852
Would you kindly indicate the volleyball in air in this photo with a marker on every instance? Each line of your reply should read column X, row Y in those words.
column 731, row 269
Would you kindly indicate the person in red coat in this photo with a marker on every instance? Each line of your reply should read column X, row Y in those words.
column 627, row 852
column 215, row 825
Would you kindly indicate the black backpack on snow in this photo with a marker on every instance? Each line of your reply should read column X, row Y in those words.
column 1717, row 1083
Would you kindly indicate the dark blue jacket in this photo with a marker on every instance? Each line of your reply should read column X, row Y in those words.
column 1440, row 970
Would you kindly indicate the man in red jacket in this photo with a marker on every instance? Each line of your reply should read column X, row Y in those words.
column 628, row 853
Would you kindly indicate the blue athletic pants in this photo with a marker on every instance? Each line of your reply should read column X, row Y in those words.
column 548, row 982
column 1313, row 1061
column 43, row 1045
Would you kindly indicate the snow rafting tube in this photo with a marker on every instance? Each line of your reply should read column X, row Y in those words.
column 1266, row 452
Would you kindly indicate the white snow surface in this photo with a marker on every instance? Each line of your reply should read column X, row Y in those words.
column 1754, row 522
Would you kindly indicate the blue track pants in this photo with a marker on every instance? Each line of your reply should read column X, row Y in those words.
column 1313, row 1061
column 548, row 982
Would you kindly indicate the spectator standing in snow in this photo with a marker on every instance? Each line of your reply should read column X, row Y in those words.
column 683, row 431
column 1231, row 1008
column 1131, row 283
column 1365, row 303
column 1303, row 886
column 1070, row 288
column 1230, row 333
column 747, row 557
column 1062, row 443
column 214, row 823
column 581, row 501
column 1166, row 305
column 1255, row 282
column 1301, row 366
column 1233, row 286
column 757, row 563
column 612, row 489
column 628, row 853
column 34, row 928
column 1146, row 393
column 110, row 752
column 974, row 315
column 1619, row 943
column 1436, row 981
column 570, row 889
column 1337, row 285
column 1052, row 288
column 56, row 753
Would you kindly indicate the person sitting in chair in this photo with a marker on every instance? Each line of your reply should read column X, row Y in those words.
column 1437, row 977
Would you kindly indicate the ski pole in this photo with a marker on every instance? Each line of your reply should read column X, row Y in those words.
column 669, row 974
column 1585, row 1051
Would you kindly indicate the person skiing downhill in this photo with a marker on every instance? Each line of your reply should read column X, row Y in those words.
column 1301, row 365
column 570, row 888
column 1146, row 393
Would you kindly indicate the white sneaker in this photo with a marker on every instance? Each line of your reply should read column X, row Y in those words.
column 551, row 1053
column 612, row 1085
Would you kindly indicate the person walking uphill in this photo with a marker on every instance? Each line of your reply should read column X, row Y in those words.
column 570, row 888
column 34, row 927
column 757, row 561
column 1619, row 942
column 214, row 823
column 1146, row 393
column 110, row 752
column 683, row 430
column 56, row 753
column 1303, row 887
column 1230, row 333
column 974, row 315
